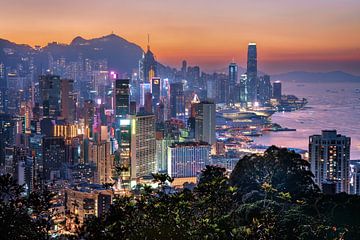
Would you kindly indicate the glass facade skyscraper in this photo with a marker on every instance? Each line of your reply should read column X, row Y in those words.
column 122, row 97
column 252, row 72
column 233, row 95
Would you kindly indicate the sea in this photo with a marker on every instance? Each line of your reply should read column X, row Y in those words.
column 331, row 106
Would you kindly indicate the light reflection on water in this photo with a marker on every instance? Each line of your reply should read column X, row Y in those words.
column 331, row 106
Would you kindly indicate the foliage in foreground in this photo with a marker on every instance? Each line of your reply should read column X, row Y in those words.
column 23, row 217
column 266, row 197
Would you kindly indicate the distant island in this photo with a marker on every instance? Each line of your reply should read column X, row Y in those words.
column 302, row 76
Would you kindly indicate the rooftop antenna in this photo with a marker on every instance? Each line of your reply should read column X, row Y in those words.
column 148, row 42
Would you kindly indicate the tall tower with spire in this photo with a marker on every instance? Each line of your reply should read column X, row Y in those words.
column 149, row 64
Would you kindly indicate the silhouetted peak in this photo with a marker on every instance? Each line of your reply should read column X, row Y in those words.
column 78, row 40
column 111, row 37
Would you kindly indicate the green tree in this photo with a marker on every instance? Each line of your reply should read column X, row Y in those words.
column 23, row 217
column 284, row 170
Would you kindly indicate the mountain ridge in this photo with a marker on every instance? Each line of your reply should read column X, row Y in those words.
column 121, row 55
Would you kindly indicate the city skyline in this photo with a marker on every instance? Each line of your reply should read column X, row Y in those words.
column 290, row 37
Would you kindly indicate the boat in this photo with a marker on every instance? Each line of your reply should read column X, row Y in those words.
column 275, row 129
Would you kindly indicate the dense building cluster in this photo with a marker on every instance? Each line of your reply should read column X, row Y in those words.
column 78, row 126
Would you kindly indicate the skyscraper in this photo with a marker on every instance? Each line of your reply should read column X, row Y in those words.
column 329, row 155
column 123, row 161
column 68, row 100
column 122, row 97
column 148, row 107
column 156, row 90
column 264, row 89
column 50, row 95
column 144, row 88
column 184, row 69
column 277, row 92
column 243, row 89
column 101, row 157
column 252, row 72
column 177, row 101
column 149, row 65
column 205, row 122
column 143, row 145
column 233, row 96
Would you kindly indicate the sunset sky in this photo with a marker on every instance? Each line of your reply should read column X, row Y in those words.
column 312, row 35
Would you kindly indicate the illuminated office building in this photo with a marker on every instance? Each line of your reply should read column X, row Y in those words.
column 101, row 157
column 252, row 72
column 144, row 88
column 122, row 98
column 233, row 95
column 137, row 147
column 177, row 101
column 205, row 122
column 143, row 145
column 156, row 91
column 243, row 90
column 68, row 100
column 149, row 66
column 50, row 94
column 277, row 92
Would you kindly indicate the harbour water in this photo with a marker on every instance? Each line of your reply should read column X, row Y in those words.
column 330, row 106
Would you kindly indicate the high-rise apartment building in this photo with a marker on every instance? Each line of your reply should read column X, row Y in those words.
column 205, row 122
column 329, row 155
column 187, row 159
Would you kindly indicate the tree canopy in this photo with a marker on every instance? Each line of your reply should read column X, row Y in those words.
column 270, row 196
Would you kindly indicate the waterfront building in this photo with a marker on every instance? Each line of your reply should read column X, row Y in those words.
column 277, row 90
column 329, row 155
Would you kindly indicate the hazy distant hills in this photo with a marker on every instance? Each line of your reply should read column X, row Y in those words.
column 302, row 76
column 121, row 55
